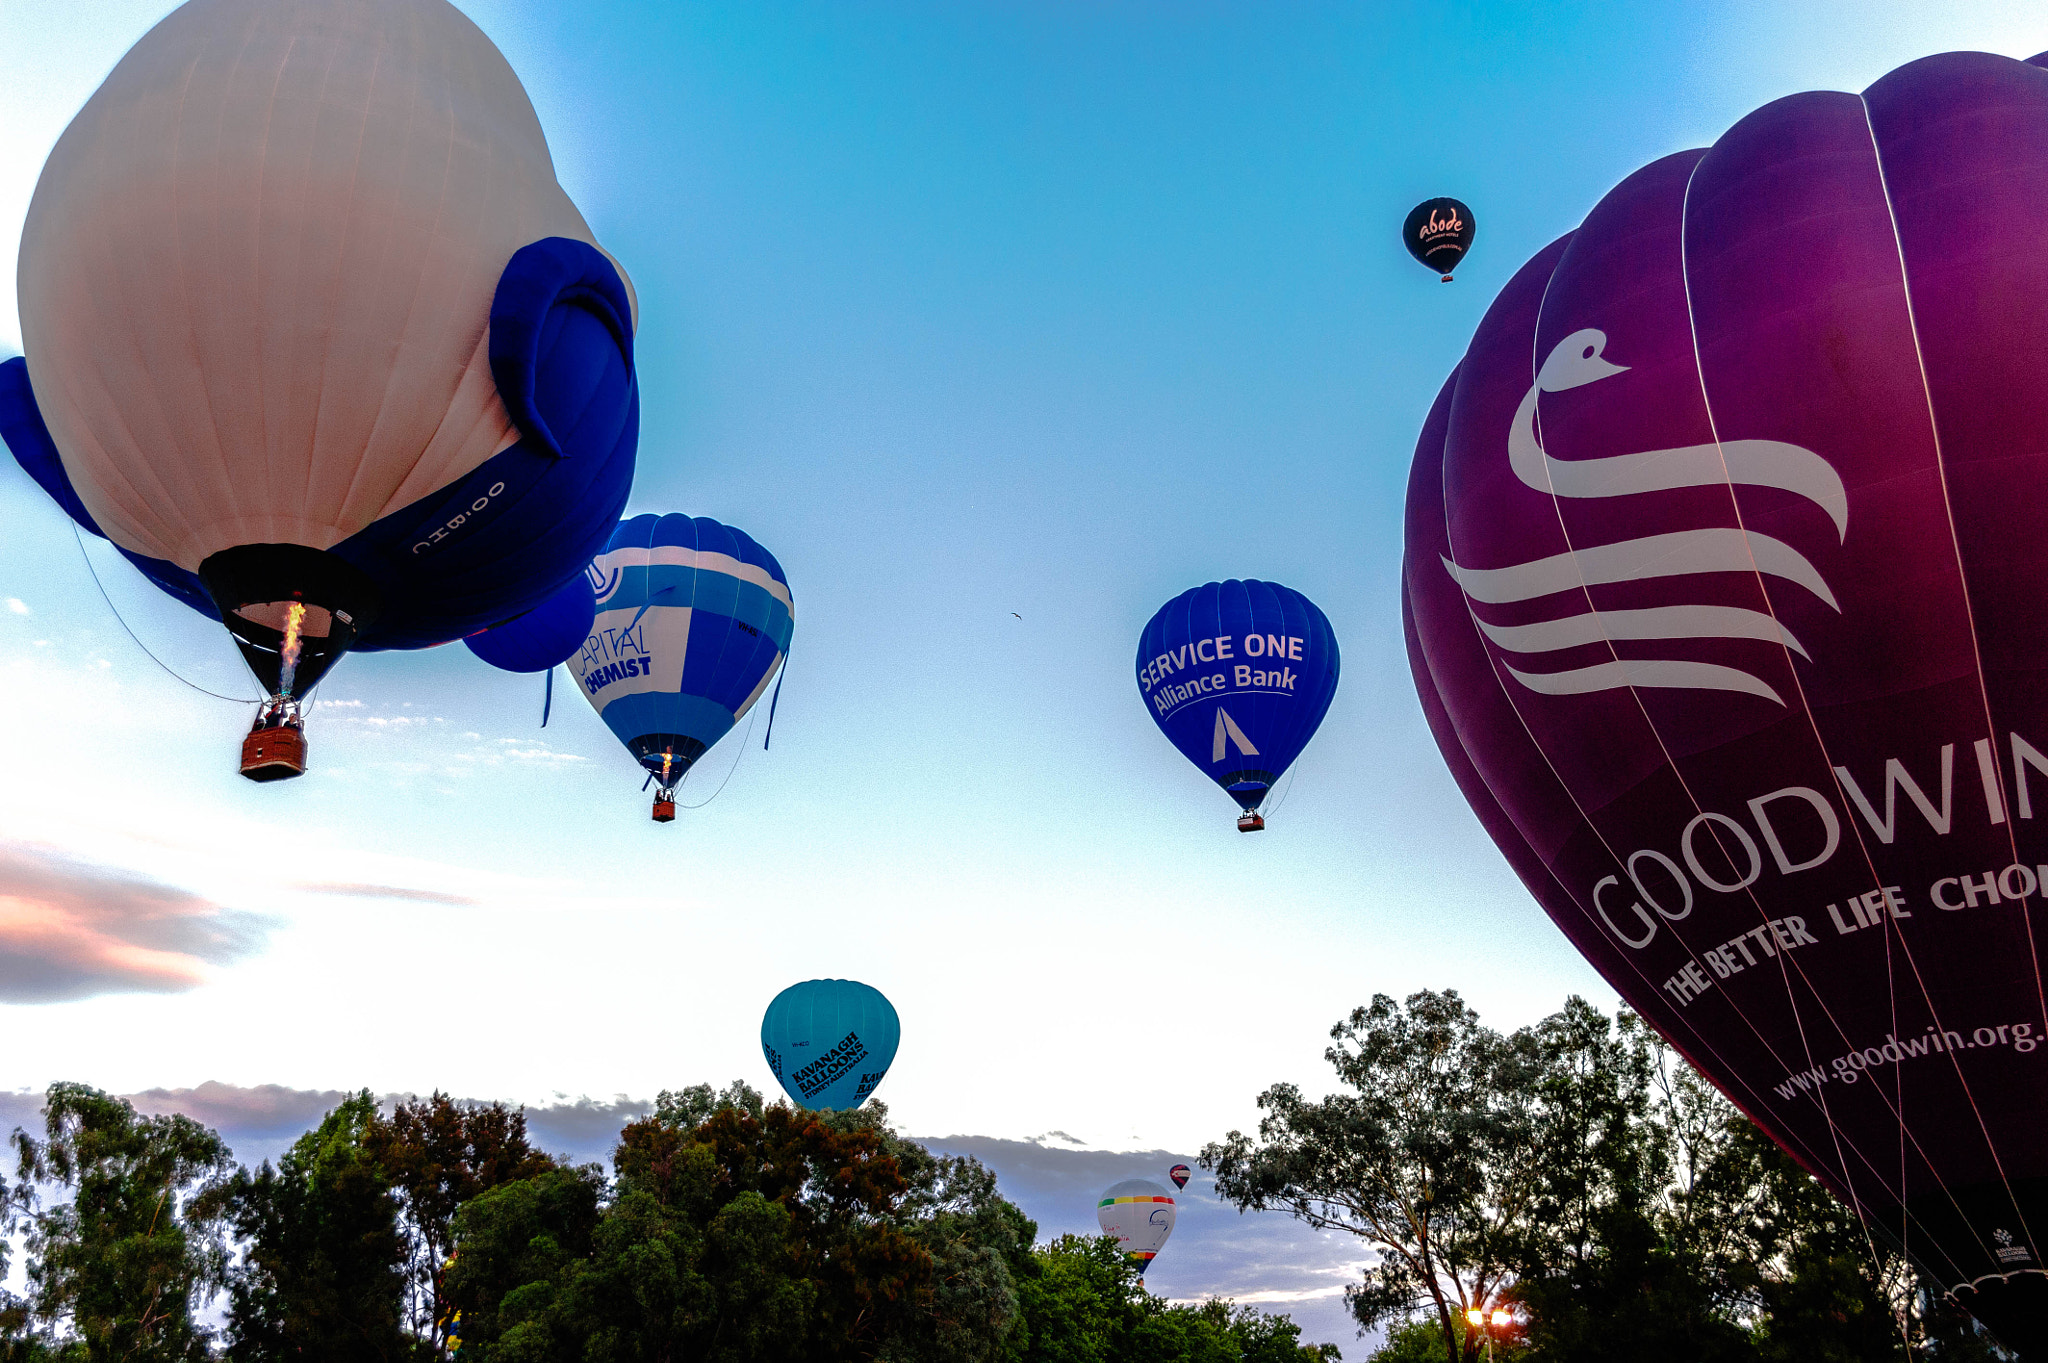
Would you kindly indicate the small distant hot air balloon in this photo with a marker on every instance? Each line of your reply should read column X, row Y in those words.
column 693, row 620
column 1180, row 1174
column 1238, row 675
column 1438, row 233
column 829, row 1042
column 1139, row 1213
column 317, row 340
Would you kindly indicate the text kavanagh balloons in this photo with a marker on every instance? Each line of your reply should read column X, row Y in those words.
column 1238, row 675
column 314, row 336
column 1728, row 606
column 829, row 1042
column 1139, row 1213
column 693, row 619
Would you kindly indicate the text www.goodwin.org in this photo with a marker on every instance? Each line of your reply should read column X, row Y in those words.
column 1848, row 1068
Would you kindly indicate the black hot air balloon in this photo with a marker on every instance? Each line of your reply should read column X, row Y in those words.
column 1438, row 233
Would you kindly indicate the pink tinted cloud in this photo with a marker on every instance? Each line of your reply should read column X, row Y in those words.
column 70, row 930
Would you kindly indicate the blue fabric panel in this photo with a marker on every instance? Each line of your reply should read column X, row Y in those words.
column 725, row 662
column 22, row 427
column 544, row 636
column 649, row 712
column 543, row 390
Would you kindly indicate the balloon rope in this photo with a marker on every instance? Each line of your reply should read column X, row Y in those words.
column 547, row 703
column 774, row 701
column 1291, row 771
column 239, row 700
column 751, row 717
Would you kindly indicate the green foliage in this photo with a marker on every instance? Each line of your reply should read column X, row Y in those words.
column 124, row 1260
column 1431, row 1157
column 439, row 1154
column 1581, row 1174
column 738, row 1232
column 1087, row 1304
column 322, row 1275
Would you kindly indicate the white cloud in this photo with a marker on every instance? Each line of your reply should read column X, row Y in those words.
column 17, row 606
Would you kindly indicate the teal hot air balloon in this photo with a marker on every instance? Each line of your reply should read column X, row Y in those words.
column 829, row 1042
column 693, row 619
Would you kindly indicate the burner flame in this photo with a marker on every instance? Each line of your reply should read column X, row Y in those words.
column 294, row 616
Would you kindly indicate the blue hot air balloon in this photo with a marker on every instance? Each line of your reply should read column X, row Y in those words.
column 829, row 1042
column 354, row 403
column 693, row 619
column 1238, row 675
column 546, row 635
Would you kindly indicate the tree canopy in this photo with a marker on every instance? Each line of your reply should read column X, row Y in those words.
column 1582, row 1178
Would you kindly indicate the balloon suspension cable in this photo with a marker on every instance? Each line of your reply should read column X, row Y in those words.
column 547, row 702
column 738, row 757
column 773, row 701
column 1289, row 781
column 112, row 610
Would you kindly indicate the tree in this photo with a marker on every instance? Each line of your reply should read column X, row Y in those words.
column 323, row 1270
column 1087, row 1303
column 1427, row 1159
column 748, row 1233
column 120, row 1263
column 439, row 1154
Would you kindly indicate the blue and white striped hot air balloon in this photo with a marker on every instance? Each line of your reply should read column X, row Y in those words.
column 693, row 619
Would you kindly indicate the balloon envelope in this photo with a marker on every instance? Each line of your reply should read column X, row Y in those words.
column 1725, row 604
column 693, row 618
column 1237, row 675
column 1180, row 1174
column 309, row 319
column 1438, row 232
column 829, row 1042
column 544, row 636
column 1139, row 1213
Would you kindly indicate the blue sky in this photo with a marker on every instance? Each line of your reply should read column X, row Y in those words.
column 962, row 310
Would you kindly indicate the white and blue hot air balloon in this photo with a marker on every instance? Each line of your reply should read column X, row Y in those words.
column 693, row 620
column 1140, row 1214
column 316, row 339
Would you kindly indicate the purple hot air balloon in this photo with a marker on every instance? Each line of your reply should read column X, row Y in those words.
column 1727, row 597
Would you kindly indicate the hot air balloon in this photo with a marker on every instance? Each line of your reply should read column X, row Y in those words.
column 1724, row 590
column 1180, row 1174
column 829, row 1042
column 316, row 339
column 1238, row 675
column 1139, row 1213
column 1438, row 233
column 693, row 620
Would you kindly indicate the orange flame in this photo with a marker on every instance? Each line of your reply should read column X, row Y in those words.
column 294, row 616
column 667, row 756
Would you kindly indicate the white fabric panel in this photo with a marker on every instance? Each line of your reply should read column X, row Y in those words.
column 659, row 643
column 257, row 272
column 680, row 556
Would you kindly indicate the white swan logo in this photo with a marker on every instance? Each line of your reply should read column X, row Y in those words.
column 1578, row 360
